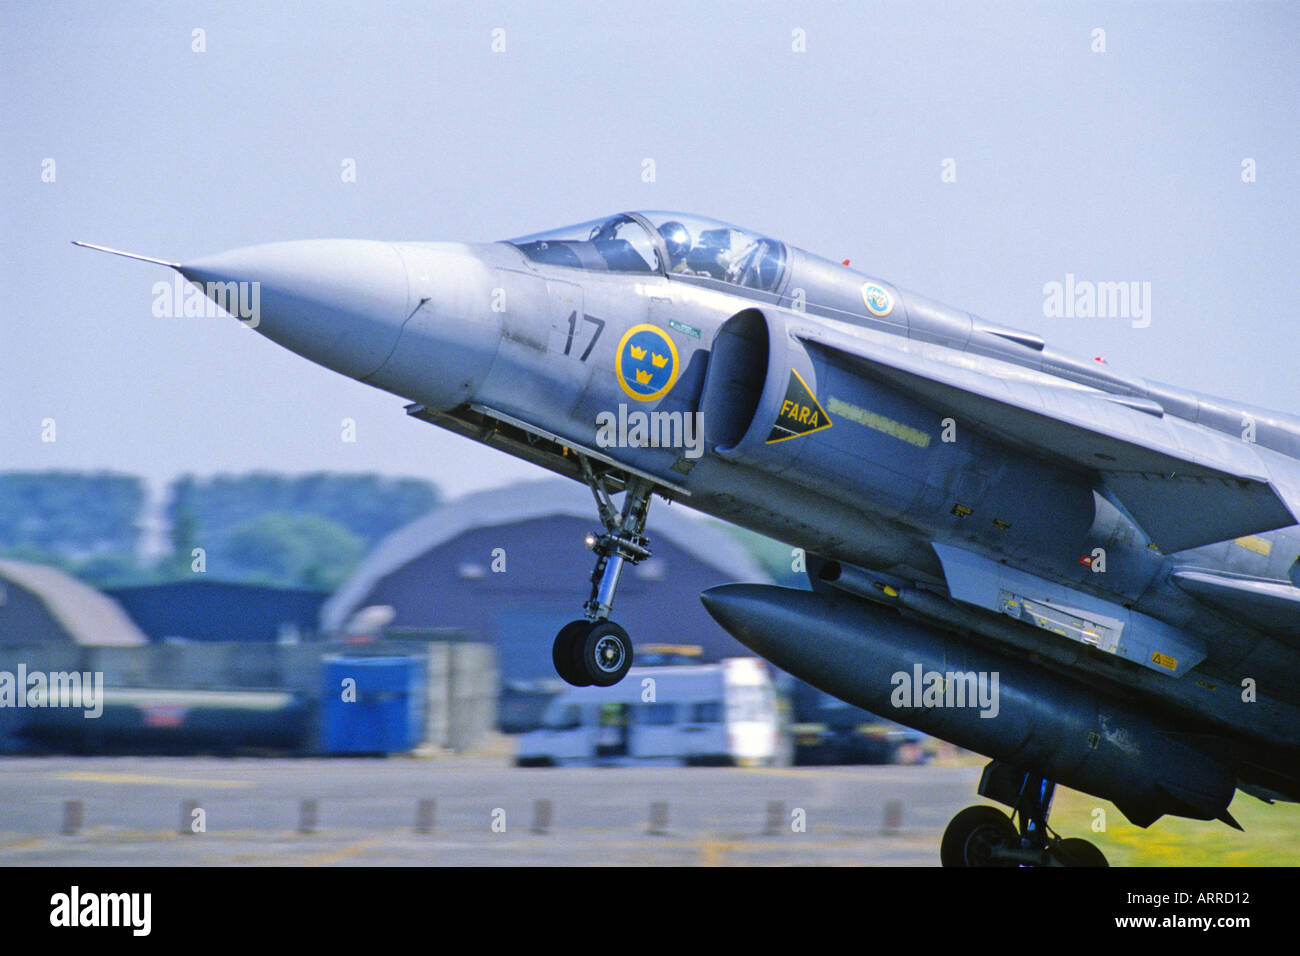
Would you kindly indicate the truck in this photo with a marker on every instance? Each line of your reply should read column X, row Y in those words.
column 696, row 714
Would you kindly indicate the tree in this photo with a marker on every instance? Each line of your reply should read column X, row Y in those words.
column 67, row 515
column 287, row 550
column 368, row 506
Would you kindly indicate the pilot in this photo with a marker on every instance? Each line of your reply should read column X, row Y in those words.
column 712, row 254
column 678, row 240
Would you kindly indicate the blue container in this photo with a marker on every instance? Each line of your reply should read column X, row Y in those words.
column 372, row 705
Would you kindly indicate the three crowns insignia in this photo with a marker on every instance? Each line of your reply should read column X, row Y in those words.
column 657, row 360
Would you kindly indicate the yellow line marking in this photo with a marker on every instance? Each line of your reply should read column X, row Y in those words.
column 713, row 852
column 806, row 773
column 89, row 776
column 347, row 852
column 913, row 436
column 23, row 844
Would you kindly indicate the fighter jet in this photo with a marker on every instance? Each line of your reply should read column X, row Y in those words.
column 1091, row 578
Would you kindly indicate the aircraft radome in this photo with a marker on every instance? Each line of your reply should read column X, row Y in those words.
column 1089, row 577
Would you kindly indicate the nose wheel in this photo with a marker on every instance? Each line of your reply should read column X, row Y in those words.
column 596, row 651
column 564, row 656
column 589, row 653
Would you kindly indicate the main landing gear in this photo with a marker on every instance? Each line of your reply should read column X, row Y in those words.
column 596, row 650
column 985, row 836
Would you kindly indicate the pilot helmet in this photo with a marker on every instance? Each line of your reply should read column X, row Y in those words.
column 677, row 238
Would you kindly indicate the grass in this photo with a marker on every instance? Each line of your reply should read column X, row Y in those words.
column 1272, row 836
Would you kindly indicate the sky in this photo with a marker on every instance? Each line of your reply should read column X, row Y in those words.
column 972, row 153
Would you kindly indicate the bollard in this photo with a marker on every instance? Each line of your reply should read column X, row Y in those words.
column 307, row 816
column 72, row 817
column 775, row 818
column 425, row 812
column 893, row 817
column 541, row 816
column 659, row 818
column 187, row 816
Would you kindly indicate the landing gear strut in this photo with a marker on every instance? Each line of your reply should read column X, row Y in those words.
column 985, row 836
column 596, row 650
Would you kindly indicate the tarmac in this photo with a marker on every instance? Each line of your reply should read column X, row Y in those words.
column 468, row 811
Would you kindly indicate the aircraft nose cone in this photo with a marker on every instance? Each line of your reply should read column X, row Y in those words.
column 338, row 302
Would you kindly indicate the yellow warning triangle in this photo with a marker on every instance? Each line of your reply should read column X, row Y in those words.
column 800, row 414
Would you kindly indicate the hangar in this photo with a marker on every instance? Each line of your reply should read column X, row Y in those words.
column 198, row 609
column 40, row 605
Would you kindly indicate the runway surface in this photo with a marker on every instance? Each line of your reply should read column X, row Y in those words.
column 484, row 813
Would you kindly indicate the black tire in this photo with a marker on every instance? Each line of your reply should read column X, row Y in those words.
column 564, row 653
column 605, row 655
column 1076, row 852
column 973, row 834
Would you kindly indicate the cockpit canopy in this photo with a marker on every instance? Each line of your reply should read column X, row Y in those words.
column 665, row 243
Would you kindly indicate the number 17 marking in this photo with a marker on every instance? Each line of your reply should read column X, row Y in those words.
column 573, row 331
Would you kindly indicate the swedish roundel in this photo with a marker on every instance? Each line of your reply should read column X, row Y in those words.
column 646, row 362
column 877, row 298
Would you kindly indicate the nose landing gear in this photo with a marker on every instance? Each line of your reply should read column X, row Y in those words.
column 985, row 836
column 596, row 650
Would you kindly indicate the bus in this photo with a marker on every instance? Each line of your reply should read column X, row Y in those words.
column 701, row 714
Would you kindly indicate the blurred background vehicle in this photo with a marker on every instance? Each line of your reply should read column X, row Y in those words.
column 692, row 714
